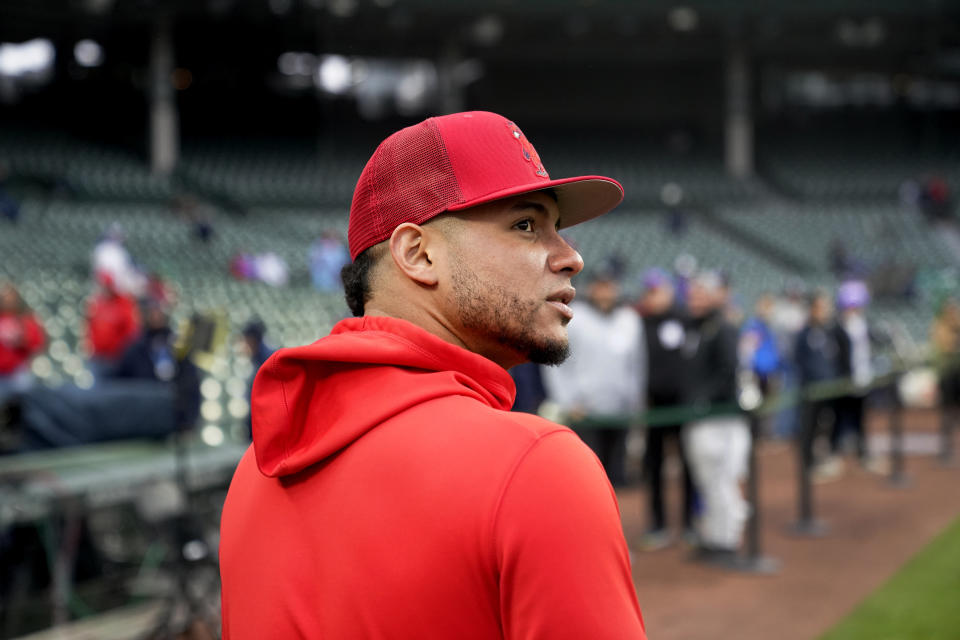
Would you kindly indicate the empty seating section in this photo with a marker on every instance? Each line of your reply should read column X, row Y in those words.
column 87, row 170
column 642, row 239
column 643, row 171
column 872, row 234
column 271, row 173
column 860, row 165
column 292, row 192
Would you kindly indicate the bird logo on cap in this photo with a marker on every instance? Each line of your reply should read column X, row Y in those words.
column 529, row 153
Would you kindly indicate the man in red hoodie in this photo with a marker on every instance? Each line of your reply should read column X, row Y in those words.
column 389, row 491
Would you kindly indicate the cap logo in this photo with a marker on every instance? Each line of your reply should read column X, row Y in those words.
column 529, row 153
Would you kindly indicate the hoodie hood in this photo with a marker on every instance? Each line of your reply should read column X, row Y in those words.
column 310, row 402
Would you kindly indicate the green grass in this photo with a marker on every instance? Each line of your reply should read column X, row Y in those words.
column 920, row 602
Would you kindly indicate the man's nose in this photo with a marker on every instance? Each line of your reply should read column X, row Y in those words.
column 565, row 258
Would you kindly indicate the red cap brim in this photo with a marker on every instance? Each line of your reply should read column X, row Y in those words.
column 579, row 199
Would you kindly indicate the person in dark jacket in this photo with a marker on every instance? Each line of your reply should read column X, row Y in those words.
column 152, row 357
column 254, row 341
column 717, row 444
column 816, row 357
column 531, row 391
column 664, row 324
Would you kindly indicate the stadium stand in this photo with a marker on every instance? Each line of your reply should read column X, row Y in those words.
column 290, row 192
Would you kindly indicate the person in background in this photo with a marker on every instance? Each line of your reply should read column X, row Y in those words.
column 152, row 357
column 158, row 291
column 718, row 444
column 730, row 303
column 113, row 323
column 854, row 363
column 684, row 269
column 328, row 255
column 531, row 392
column 664, row 332
column 9, row 206
column 258, row 351
column 787, row 319
column 816, row 358
column 272, row 269
column 945, row 341
column 603, row 381
column 257, row 348
column 111, row 260
column 21, row 338
column 758, row 345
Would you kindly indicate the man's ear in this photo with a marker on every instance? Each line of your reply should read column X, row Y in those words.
column 413, row 248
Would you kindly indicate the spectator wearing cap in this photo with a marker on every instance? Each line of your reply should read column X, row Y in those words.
column 664, row 331
column 111, row 260
column 603, row 380
column 717, row 444
column 257, row 350
column 21, row 338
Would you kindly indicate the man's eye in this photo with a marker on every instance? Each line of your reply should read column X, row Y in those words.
column 524, row 225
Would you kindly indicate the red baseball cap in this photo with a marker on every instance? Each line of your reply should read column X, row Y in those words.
column 457, row 161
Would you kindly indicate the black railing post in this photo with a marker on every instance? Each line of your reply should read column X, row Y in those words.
column 948, row 416
column 806, row 525
column 755, row 561
column 897, row 477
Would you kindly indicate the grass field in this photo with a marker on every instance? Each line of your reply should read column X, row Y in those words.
column 920, row 602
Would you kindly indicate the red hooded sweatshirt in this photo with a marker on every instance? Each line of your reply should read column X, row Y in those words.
column 389, row 493
column 113, row 322
column 21, row 336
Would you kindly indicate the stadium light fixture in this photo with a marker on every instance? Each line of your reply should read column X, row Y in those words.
column 25, row 58
column 294, row 63
column 334, row 74
column 488, row 30
column 417, row 84
column 280, row 7
column 683, row 19
column 342, row 8
column 88, row 53
column 212, row 435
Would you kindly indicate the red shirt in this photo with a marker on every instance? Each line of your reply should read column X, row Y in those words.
column 113, row 322
column 21, row 337
column 390, row 493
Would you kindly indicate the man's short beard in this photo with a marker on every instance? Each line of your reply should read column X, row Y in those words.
column 506, row 318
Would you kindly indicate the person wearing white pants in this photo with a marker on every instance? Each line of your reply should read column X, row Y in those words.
column 717, row 444
column 718, row 450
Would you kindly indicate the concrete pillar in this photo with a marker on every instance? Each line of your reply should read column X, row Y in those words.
column 450, row 87
column 164, row 119
column 738, row 119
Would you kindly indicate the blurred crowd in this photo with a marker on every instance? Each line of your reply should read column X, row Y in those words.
column 141, row 380
column 683, row 360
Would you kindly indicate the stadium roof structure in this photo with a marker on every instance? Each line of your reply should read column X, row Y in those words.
column 513, row 28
